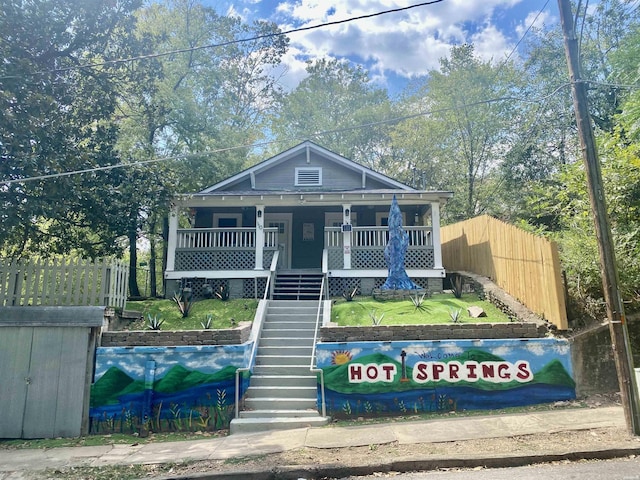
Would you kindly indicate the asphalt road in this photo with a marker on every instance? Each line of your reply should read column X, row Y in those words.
column 619, row 469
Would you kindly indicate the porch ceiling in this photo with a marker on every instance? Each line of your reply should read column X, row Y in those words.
column 359, row 197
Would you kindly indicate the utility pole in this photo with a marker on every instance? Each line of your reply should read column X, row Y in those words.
column 608, row 269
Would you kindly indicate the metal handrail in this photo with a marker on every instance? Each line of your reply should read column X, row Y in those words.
column 312, row 367
column 256, row 334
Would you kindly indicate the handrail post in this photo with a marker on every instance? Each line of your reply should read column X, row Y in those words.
column 312, row 367
column 255, row 334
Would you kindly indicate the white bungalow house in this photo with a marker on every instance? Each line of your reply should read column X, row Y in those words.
column 303, row 213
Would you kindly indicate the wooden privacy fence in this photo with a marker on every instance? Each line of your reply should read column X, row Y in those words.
column 71, row 281
column 524, row 265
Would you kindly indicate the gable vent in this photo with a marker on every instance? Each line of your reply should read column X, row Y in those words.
column 308, row 176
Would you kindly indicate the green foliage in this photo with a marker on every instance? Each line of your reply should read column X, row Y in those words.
column 57, row 118
column 241, row 310
column 349, row 295
column 207, row 323
column 376, row 319
column 185, row 300
column 305, row 112
column 418, row 301
column 223, row 292
column 455, row 314
column 154, row 322
column 402, row 312
column 457, row 285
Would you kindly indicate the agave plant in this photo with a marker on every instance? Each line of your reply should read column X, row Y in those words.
column 154, row 322
column 418, row 301
column 375, row 318
column 349, row 295
column 206, row 325
column 184, row 301
column 455, row 314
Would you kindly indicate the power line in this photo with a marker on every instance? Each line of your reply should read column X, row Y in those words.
column 266, row 143
column 223, row 44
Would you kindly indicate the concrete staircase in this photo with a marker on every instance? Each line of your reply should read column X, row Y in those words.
column 282, row 392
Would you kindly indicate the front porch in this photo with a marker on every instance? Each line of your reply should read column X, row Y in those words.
column 329, row 239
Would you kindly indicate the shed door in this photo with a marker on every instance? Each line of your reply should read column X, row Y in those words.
column 44, row 370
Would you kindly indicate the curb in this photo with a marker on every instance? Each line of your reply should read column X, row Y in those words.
column 309, row 472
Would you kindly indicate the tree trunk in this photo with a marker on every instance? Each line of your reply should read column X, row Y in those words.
column 165, row 250
column 134, row 291
column 152, row 258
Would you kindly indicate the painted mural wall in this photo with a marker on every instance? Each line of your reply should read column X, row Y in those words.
column 142, row 389
column 387, row 378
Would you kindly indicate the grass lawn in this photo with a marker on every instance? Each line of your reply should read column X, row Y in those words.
column 435, row 309
column 222, row 313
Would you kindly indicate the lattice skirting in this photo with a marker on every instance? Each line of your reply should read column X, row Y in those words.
column 215, row 260
column 337, row 285
column 249, row 290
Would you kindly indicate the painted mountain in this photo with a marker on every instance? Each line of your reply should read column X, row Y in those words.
column 114, row 383
column 336, row 377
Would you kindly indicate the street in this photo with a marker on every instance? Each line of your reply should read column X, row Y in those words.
column 619, row 469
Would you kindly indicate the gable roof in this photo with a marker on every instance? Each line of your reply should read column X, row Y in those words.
column 305, row 147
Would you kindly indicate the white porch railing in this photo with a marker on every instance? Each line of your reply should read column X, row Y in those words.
column 375, row 236
column 220, row 238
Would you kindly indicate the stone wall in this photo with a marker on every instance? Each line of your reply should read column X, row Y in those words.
column 432, row 332
column 487, row 290
column 151, row 338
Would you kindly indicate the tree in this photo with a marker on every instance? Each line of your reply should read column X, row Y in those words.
column 203, row 100
column 335, row 105
column 55, row 118
column 463, row 125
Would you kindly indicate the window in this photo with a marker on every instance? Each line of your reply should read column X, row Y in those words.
column 336, row 219
column 308, row 177
column 228, row 220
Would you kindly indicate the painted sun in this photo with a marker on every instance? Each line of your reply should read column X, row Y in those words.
column 340, row 357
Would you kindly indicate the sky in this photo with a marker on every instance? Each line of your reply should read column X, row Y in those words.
column 396, row 47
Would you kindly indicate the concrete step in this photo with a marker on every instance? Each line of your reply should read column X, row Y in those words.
column 278, row 403
column 284, row 380
column 286, row 351
column 302, row 369
column 251, row 425
column 291, row 332
column 287, row 342
column 279, row 360
column 291, row 317
column 311, row 413
column 281, row 392
column 289, row 326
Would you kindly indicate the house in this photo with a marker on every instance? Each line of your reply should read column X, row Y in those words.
column 306, row 210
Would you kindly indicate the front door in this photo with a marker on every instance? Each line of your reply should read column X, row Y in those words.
column 281, row 221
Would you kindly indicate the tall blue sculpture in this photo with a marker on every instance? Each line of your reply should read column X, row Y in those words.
column 394, row 252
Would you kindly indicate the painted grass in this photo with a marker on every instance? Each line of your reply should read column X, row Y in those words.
column 436, row 309
column 222, row 313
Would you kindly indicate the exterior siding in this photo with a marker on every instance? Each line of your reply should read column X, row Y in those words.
column 282, row 176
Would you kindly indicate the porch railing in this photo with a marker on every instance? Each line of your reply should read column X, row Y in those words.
column 222, row 238
column 375, row 236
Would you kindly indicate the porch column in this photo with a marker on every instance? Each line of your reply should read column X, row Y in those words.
column 435, row 231
column 346, row 236
column 172, row 241
column 259, row 236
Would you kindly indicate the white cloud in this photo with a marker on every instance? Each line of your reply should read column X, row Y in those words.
column 536, row 348
column 409, row 43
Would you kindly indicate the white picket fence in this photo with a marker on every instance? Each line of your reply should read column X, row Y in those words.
column 64, row 281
